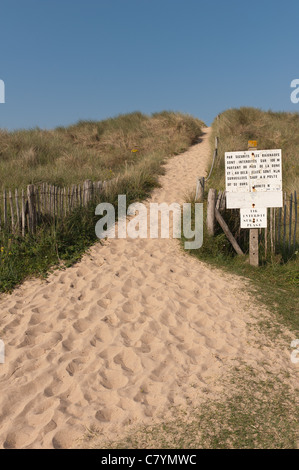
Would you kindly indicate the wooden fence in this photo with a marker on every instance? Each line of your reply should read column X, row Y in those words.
column 22, row 211
column 281, row 235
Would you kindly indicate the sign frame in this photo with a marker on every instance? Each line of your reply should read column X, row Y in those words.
column 253, row 178
column 253, row 218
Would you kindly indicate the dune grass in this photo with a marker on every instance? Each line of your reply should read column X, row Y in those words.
column 235, row 127
column 276, row 281
column 91, row 150
column 129, row 149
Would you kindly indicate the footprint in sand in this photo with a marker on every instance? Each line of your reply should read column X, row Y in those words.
column 74, row 366
column 113, row 379
column 128, row 360
column 103, row 334
column 107, row 415
column 81, row 325
column 52, row 339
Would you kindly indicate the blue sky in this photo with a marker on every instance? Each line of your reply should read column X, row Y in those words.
column 66, row 60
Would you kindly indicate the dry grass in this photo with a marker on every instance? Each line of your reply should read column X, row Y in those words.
column 92, row 150
column 235, row 127
column 129, row 150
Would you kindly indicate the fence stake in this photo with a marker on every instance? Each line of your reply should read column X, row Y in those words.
column 253, row 236
column 76, row 195
column 279, row 226
column 61, row 202
column 274, row 230
column 254, row 247
column 200, row 187
column 227, row 232
column 295, row 224
column 37, row 192
column 54, row 200
column 17, row 210
column 290, row 222
column 23, row 214
column 48, row 199
column 4, row 209
column 11, row 213
column 31, row 208
column 72, row 205
column 222, row 202
column 211, row 211
column 284, row 223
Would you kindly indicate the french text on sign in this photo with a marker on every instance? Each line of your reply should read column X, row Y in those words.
column 253, row 179
column 253, row 218
column 256, row 170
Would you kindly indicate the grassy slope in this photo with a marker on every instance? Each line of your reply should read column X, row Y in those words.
column 272, row 130
column 275, row 283
column 95, row 150
column 91, row 150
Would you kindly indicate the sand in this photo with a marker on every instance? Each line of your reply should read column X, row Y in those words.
column 135, row 328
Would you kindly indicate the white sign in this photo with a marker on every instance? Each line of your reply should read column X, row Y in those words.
column 257, row 170
column 253, row 218
column 254, row 200
column 253, row 177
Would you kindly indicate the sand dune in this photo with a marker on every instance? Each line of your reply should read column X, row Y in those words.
column 136, row 327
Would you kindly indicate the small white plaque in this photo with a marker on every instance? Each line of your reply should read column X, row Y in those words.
column 253, row 200
column 253, row 218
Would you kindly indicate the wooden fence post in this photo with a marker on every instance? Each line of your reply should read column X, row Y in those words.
column 12, row 217
column 253, row 233
column 222, row 204
column 271, row 230
column 38, row 205
column 254, row 246
column 64, row 202
column 17, row 210
column 200, row 187
column 227, row 232
column 4, row 209
column 87, row 191
column 79, row 195
column 84, row 193
column 284, row 221
column 295, row 224
column 290, row 222
column 61, row 203
column 31, row 207
column 23, row 214
column 211, row 211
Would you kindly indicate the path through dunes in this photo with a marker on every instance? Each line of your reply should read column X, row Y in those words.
column 135, row 327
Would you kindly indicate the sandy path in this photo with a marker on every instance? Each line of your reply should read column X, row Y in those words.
column 135, row 327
